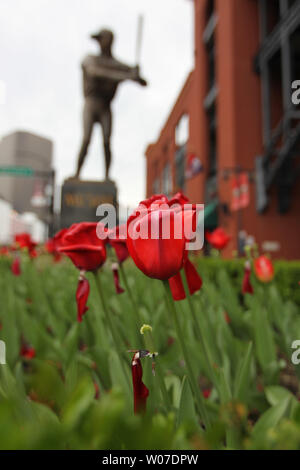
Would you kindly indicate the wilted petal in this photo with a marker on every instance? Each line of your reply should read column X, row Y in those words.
column 16, row 266
column 247, row 286
column 140, row 391
column 82, row 294
column 115, row 270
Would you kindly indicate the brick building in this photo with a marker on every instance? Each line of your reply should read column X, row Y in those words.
column 235, row 116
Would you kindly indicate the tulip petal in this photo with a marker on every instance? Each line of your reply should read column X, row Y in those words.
column 140, row 391
column 176, row 286
column 16, row 266
column 82, row 294
column 246, row 285
column 115, row 270
column 193, row 279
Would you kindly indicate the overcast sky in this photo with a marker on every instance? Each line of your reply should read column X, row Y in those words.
column 42, row 45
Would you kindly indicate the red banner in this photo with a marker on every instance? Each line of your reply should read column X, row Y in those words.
column 240, row 191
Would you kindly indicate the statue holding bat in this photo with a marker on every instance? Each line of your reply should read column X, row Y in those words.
column 102, row 75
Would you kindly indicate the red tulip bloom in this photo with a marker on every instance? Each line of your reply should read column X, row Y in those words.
column 82, row 245
column 24, row 240
column 264, row 269
column 58, row 237
column 156, row 198
column 82, row 294
column 206, row 392
column 140, row 391
column 158, row 233
column 4, row 251
column 28, row 352
column 153, row 241
column 117, row 240
column 218, row 238
column 51, row 247
column 16, row 266
column 87, row 252
column 247, row 286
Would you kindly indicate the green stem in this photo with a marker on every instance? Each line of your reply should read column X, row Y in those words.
column 135, row 307
column 111, row 325
column 150, row 345
column 200, row 336
column 196, row 390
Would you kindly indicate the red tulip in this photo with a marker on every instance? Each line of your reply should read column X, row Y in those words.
column 117, row 240
column 206, row 392
column 4, row 251
column 264, row 269
column 82, row 294
column 158, row 233
column 16, row 266
column 82, row 245
column 24, row 240
column 87, row 252
column 247, row 286
column 28, row 352
column 115, row 270
column 54, row 243
column 58, row 238
column 140, row 391
column 49, row 245
column 154, row 240
column 218, row 238
column 156, row 198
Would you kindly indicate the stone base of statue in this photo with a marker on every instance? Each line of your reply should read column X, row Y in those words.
column 80, row 199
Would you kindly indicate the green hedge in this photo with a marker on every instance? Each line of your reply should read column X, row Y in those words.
column 287, row 274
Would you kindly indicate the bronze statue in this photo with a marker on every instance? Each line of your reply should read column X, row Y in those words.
column 101, row 76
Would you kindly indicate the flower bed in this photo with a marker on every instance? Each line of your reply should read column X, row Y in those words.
column 68, row 384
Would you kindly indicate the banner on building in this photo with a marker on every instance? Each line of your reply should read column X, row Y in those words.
column 193, row 166
column 240, row 196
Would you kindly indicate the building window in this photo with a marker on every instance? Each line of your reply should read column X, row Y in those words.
column 180, row 168
column 182, row 131
column 156, row 186
column 212, row 170
column 167, row 180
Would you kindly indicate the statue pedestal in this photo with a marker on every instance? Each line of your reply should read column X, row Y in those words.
column 80, row 199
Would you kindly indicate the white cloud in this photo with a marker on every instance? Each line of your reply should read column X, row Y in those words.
column 42, row 45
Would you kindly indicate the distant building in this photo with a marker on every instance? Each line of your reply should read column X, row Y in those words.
column 235, row 120
column 27, row 194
